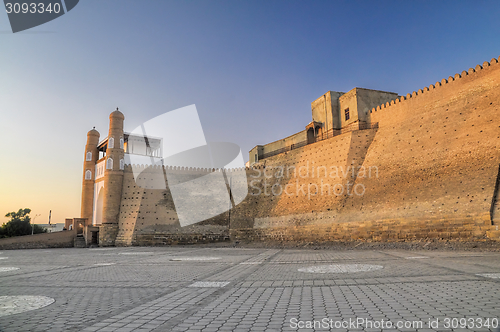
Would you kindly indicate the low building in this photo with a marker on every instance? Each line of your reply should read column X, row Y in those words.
column 57, row 227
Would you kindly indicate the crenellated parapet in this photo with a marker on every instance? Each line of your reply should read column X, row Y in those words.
column 170, row 169
column 478, row 70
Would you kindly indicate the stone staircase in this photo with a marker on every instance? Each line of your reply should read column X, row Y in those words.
column 494, row 233
column 79, row 242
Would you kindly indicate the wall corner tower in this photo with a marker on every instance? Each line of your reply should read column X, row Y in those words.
column 113, row 180
column 89, row 161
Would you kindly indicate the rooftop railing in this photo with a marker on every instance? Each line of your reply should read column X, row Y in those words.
column 326, row 135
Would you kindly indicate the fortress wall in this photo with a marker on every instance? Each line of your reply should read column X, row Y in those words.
column 405, row 229
column 148, row 215
column 304, row 186
column 288, row 185
column 435, row 161
column 437, row 152
column 299, row 137
column 429, row 170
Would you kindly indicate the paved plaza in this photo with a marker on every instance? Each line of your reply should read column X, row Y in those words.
column 248, row 289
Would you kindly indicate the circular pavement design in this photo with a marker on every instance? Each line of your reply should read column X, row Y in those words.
column 490, row 275
column 5, row 269
column 10, row 305
column 201, row 258
column 341, row 268
column 417, row 257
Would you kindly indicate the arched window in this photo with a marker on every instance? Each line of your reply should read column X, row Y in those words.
column 88, row 175
column 319, row 133
column 109, row 163
column 310, row 136
column 121, row 142
column 89, row 156
column 111, row 143
column 122, row 164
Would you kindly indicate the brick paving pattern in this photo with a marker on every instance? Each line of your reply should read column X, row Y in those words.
column 241, row 289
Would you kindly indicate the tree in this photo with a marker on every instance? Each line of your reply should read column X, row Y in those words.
column 19, row 224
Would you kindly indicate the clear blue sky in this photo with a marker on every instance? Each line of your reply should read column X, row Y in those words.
column 251, row 67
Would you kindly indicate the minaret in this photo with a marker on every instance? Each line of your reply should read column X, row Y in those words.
column 90, row 159
column 113, row 180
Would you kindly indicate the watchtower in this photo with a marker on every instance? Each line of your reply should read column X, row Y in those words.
column 90, row 159
column 113, row 179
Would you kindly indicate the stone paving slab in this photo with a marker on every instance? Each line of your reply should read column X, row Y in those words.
column 247, row 289
column 294, row 256
column 400, row 268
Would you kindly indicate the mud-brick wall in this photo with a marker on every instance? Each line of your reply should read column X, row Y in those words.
column 429, row 170
column 406, row 229
column 308, row 180
column 437, row 151
column 148, row 215
column 434, row 158
column 63, row 239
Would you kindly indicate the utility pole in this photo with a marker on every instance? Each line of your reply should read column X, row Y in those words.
column 33, row 224
column 230, row 202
